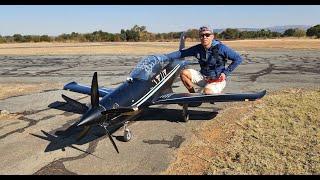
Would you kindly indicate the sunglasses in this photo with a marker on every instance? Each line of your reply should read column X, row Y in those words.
column 207, row 35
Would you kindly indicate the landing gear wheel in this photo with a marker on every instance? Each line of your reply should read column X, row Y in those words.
column 185, row 113
column 127, row 135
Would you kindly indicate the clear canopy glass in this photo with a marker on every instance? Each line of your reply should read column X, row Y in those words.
column 149, row 66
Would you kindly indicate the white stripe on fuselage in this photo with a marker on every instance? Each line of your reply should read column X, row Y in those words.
column 155, row 88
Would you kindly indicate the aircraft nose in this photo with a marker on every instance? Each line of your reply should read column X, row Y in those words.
column 90, row 117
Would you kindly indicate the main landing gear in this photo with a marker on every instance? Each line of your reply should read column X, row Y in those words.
column 185, row 114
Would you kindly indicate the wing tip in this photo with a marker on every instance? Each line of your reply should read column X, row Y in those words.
column 66, row 86
column 263, row 92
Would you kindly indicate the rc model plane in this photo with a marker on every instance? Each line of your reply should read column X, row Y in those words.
column 149, row 83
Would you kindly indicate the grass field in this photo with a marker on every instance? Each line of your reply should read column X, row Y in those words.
column 279, row 134
column 146, row 48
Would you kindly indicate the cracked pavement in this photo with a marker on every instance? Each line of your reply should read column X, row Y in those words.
column 36, row 142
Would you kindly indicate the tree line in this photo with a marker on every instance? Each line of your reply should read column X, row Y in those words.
column 140, row 33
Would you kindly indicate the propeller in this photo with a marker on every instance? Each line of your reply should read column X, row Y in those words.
column 111, row 139
column 94, row 114
column 82, row 107
column 91, row 114
column 94, row 91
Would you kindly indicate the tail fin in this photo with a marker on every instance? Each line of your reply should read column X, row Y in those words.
column 182, row 40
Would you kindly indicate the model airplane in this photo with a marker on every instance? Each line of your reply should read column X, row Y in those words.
column 150, row 83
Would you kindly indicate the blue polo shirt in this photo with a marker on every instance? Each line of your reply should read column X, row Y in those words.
column 212, row 61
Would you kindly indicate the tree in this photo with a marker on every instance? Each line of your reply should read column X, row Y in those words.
column 276, row 34
column 123, row 35
column 28, row 38
column 88, row 37
column 289, row 32
column 131, row 35
column 299, row 33
column 314, row 31
column 9, row 39
column 117, row 37
column 152, row 37
column 45, row 38
column 264, row 33
column 159, row 36
column 246, row 35
column 36, row 38
column 230, row 33
column 17, row 37
column 63, row 37
column 192, row 33
column 2, row 39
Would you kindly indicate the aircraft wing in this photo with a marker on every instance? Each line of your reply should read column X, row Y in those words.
column 83, row 89
column 186, row 98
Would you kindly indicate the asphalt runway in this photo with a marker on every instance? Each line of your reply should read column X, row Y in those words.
column 37, row 142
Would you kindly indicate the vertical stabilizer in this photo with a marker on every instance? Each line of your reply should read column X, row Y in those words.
column 182, row 41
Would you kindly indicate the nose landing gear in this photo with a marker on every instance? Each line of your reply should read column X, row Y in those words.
column 127, row 135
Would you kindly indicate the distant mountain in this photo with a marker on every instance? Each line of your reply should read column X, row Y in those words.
column 218, row 30
column 240, row 29
column 279, row 29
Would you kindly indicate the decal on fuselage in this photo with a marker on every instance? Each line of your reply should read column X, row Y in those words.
column 159, row 77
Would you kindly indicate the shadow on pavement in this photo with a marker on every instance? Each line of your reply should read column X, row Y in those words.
column 67, row 137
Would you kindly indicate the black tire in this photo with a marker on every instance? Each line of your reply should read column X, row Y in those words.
column 185, row 114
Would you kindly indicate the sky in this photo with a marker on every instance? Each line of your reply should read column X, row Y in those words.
column 57, row 19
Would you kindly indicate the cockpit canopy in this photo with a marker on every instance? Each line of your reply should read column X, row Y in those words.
column 149, row 66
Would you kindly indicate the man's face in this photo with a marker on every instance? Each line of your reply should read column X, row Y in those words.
column 206, row 38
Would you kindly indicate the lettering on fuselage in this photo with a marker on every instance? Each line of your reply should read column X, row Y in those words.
column 160, row 76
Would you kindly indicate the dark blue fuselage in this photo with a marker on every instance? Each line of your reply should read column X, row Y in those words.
column 141, row 93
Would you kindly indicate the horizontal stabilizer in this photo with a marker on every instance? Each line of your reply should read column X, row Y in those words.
column 83, row 89
column 186, row 98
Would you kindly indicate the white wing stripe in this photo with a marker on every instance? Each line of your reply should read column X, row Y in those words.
column 154, row 89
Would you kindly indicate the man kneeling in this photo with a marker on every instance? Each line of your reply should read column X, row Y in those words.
column 212, row 56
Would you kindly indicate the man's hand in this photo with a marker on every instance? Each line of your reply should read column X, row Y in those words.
column 223, row 76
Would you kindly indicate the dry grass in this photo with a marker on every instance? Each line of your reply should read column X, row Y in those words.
column 277, row 135
column 107, row 48
column 276, row 44
column 15, row 89
column 145, row 48
column 10, row 116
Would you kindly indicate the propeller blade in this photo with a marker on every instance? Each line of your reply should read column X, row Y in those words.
column 84, row 132
column 94, row 91
column 113, row 143
column 82, row 107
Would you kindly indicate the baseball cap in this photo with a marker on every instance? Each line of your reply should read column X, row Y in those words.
column 205, row 28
